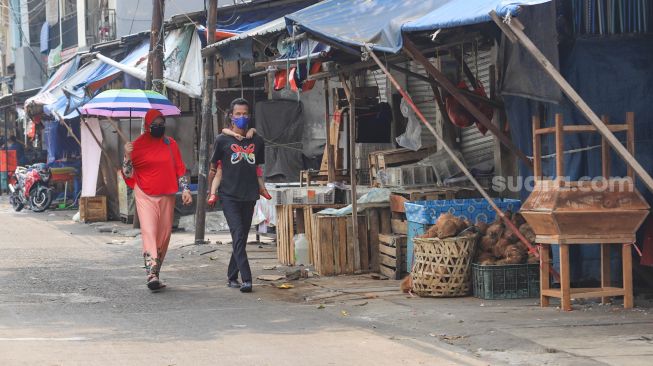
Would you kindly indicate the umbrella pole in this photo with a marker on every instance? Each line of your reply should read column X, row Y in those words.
column 130, row 124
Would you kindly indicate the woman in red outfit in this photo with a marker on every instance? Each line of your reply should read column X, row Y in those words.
column 153, row 168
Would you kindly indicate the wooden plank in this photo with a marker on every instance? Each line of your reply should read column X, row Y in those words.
column 373, row 229
column 363, row 241
column 537, row 149
column 545, row 276
column 342, row 229
column 584, row 293
column 397, row 203
column 308, row 221
column 387, row 239
column 399, row 226
column 291, row 235
column 565, row 278
column 605, row 269
column 387, row 250
column 584, row 239
column 388, row 261
column 384, row 221
column 512, row 30
column 338, row 238
column 580, row 129
column 388, row 272
column 299, row 215
column 326, row 237
column 605, row 152
column 560, row 147
column 353, row 261
column 627, row 265
column 630, row 140
column 351, row 255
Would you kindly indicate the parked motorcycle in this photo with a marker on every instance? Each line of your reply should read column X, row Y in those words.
column 29, row 187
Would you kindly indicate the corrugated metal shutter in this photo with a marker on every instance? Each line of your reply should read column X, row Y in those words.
column 422, row 94
column 377, row 78
column 475, row 147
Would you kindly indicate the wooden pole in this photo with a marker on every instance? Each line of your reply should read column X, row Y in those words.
column 351, row 98
column 70, row 130
column 514, row 32
column 154, row 78
column 120, row 133
column 412, row 50
column 331, row 167
column 207, row 120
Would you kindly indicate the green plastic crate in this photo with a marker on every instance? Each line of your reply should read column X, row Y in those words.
column 511, row 281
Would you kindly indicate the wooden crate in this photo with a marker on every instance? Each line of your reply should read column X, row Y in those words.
column 379, row 160
column 291, row 220
column 399, row 223
column 399, row 197
column 93, row 209
column 392, row 254
column 334, row 252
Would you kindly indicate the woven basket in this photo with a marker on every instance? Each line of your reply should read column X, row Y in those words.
column 442, row 267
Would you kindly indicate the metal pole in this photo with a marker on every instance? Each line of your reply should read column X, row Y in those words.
column 207, row 119
column 154, row 78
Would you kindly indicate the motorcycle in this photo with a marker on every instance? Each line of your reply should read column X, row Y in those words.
column 29, row 187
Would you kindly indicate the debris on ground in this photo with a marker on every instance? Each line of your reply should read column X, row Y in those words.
column 269, row 277
column 344, row 313
column 269, row 268
column 209, row 251
column 285, row 286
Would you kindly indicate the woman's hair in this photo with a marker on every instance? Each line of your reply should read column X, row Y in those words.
column 235, row 102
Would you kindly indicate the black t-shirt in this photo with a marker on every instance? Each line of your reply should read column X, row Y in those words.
column 239, row 160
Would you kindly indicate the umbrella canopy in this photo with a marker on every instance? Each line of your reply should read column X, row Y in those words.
column 124, row 103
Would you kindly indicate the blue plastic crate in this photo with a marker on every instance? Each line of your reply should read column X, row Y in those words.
column 473, row 209
column 422, row 214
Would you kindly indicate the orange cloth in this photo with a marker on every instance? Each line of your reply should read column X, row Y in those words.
column 155, row 214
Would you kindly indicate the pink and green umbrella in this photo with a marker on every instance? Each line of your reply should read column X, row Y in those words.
column 127, row 103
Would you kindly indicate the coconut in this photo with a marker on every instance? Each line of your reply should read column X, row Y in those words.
column 488, row 243
column 518, row 219
column 527, row 232
column 515, row 254
column 448, row 229
column 500, row 248
column 485, row 258
column 495, row 230
column 482, row 227
column 406, row 284
column 509, row 235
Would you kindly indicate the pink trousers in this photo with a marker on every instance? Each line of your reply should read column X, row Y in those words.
column 155, row 214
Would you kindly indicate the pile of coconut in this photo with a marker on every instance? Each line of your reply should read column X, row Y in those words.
column 498, row 244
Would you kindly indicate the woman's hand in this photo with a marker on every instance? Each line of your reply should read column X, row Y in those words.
column 186, row 198
column 129, row 147
column 250, row 133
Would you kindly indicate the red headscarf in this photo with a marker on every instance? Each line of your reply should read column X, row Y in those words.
column 157, row 161
column 150, row 116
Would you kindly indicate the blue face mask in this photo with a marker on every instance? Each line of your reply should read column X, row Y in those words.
column 241, row 122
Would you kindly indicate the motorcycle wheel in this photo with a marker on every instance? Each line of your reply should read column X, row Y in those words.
column 16, row 203
column 40, row 199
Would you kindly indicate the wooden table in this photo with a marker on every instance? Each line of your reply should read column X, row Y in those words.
column 565, row 292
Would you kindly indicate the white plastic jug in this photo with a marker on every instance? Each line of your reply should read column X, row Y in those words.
column 301, row 250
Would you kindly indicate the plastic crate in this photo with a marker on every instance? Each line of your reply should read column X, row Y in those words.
column 511, row 281
column 472, row 209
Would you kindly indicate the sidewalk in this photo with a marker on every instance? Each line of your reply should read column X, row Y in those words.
column 67, row 289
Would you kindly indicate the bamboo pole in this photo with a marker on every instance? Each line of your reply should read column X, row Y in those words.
column 454, row 157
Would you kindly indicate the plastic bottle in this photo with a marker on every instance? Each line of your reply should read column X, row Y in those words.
column 301, row 250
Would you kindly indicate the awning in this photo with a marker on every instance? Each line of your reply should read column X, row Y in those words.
column 182, row 58
column 66, row 70
column 380, row 23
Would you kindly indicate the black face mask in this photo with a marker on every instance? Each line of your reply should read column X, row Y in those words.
column 157, row 130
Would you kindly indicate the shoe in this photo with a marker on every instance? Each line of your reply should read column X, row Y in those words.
column 233, row 284
column 246, row 287
column 155, row 284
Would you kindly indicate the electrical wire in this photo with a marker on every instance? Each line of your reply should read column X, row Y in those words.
column 134, row 17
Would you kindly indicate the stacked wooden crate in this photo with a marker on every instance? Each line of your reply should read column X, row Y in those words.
column 334, row 251
column 381, row 160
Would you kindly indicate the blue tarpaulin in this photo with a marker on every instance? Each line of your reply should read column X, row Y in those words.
column 380, row 23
